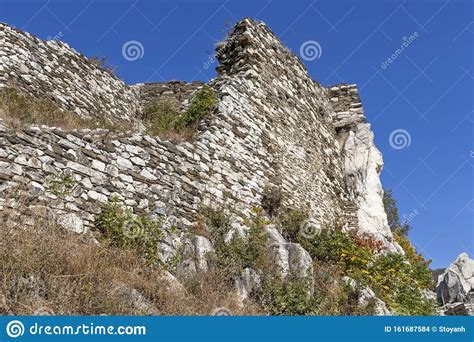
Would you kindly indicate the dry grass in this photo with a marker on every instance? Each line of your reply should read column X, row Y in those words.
column 45, row 269
column 19, row 111
column 160, row 117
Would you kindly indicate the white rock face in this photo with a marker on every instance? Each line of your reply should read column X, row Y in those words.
column 289, row 257
column 457, row 281
column 366, row 296
column 202, row 246
column 195, row 259
column 363, row 164
column 248, row 281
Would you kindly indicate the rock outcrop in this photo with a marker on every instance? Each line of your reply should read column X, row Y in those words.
column 362, row 164
column 457, row 282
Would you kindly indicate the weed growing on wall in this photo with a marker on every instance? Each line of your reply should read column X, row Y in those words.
column 121, row 228
column 163, row 118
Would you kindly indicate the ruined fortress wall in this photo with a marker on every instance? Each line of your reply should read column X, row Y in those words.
column 347, row 105
column 273, row 125
column 178, row 93
column 280, row 118
column 51, row 69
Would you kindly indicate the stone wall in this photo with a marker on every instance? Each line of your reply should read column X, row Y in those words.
column 281, row 119
column 347, row 105
column 273, row 125
column 178, row 93
column 53, row 70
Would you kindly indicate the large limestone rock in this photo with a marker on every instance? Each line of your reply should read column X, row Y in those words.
column 248, row 281
column 363, row 164
column 457, row 281
column 195, row 257
column 367, row 296
column 289, row 258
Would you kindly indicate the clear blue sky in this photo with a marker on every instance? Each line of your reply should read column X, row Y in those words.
column 426, row 90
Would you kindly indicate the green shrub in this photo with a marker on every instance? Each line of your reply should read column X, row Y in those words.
column 121, row 228
column 391, row 209
column 421, row 271
column 292, row 296
column 201, row 105
column 394, row 278
column 163, row 118
column 160, row 117
column 291, row 223
column 62, row 185
column 287, row 297
column 238, row 253
column 272, row 200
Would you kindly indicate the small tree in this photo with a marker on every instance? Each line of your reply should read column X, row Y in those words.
column 391, row 209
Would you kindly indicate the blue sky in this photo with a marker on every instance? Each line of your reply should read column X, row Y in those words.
column 423, row 97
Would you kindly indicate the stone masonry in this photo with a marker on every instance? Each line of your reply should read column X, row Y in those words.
column 273, row 125
column 53, row 70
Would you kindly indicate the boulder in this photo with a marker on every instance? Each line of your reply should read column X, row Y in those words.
column 172, row 283
column 72, row 222
column 195, row 257
column 202, row 246
column 248, row 282
column 289, row 257
column 366, row 296
column 457, row 281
